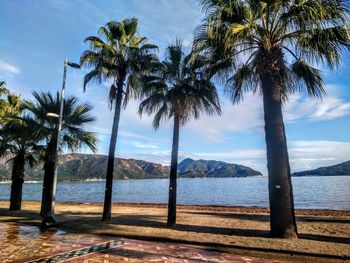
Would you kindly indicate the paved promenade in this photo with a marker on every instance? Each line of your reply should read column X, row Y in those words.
column 24, row 243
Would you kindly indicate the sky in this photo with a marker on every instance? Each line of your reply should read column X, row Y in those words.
column 36, row 37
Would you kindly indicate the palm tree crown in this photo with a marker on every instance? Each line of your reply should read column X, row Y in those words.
column 76, row 118
column 297, row 35
column 118, row 54
column 20, row 136
column 179, row 86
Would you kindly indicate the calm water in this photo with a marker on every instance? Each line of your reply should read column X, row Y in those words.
column 309, row 192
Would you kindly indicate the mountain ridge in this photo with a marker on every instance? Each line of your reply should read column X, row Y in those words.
column 211, row 168
column 78, row 166
column 332, row 170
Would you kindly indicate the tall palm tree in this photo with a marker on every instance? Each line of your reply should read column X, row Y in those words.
column 120, row 55
column 273, row 47
column 76, row 118
column 20, row 141
column 178, row 88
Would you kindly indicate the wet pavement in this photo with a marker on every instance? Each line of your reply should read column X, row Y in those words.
column 24, row 243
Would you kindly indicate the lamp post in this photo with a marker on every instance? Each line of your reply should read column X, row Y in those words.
column 49, row 185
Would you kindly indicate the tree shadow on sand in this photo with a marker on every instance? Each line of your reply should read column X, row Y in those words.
column 79, row 221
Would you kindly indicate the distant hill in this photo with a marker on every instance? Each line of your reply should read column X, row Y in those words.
column 334, row 170
column 78, row 166
column 190, row 168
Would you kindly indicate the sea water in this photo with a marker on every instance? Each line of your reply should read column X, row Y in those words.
column 326, row 192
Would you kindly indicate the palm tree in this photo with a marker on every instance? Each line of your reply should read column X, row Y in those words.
column 178, row 88
column 76, row 117
column 120, row 56
column 271, row 47
column 19, row 140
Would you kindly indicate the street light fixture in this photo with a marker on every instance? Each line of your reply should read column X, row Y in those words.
column 51, row 114
column 49, row 185
column 73, row 65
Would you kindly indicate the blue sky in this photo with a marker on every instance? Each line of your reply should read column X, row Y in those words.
column 36, row 37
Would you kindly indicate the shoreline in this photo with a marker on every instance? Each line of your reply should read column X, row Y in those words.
column 166, row 178
column 214, row 208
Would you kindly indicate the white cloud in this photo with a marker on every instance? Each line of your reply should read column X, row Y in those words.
column 306, row 155
column 244, row 117
column 235, row 118
column 141, row 145
column 8, row 70
column 248, row 115
column 329, row 108
column 133, row 135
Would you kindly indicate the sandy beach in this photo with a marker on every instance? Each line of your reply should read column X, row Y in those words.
column 324, row 235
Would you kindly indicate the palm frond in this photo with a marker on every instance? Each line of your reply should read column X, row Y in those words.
column 309, row 77
column 242, row 80
column 119, row 54
column 235, row 34
column 76, row 118
column 180, row 86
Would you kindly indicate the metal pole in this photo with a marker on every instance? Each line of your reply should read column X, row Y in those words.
column 48, row 206
column 58, row 134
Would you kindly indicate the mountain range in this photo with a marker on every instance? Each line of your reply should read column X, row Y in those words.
column 77, row 166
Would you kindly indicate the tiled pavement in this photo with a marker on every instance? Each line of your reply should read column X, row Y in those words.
column 23, row 243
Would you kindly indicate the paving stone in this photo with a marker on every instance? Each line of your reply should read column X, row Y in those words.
column 22, row 243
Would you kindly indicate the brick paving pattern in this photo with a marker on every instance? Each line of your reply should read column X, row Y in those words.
column 23, row 243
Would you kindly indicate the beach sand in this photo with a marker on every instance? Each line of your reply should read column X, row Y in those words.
column 324, row 235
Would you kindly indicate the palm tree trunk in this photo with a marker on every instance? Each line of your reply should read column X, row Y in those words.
column 282, row 216
column 173, row 173
column 17, row 183
column 48, row 198
column 107, row 206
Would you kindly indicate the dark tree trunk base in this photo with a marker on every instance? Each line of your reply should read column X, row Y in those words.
column 107, row 204
column 49, row 221
column 16, row 195
column 106, row 217
column 17, row 183
column 171, row 219
column 15, row 208
column 289, row 233
column 47, row 211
